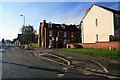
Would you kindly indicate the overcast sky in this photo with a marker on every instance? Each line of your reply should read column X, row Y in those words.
column 36, row 12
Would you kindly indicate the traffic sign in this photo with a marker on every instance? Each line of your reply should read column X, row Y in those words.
column 52, row 38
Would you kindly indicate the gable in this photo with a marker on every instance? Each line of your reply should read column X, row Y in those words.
column 97, row 10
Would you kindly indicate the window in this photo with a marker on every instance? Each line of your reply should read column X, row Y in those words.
column 96, row 22
column 49, row 25
column 57, row 26
column 58, row 33
column 50, row 33
column 72, row 34
column 50, row 42
column 65, row 34
column 63, row 27
column 65, row 41
column 97, row 37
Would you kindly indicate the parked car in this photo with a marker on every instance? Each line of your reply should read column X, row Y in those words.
column 2, row 50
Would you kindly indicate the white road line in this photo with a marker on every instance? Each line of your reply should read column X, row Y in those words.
column 100, row 65
column 61, row 58
column 60, row 75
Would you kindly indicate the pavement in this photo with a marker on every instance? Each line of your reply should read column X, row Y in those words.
column 86, row 62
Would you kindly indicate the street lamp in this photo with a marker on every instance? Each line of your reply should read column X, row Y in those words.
column 23, row 26
column 24, row 20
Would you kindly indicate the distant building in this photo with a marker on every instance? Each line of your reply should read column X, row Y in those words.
column 99, row 24
column 20, row 39
column 57, row 35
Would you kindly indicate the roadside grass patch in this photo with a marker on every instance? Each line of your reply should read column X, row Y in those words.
column 113, row 54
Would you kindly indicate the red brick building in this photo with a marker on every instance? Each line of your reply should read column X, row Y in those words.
column 57, row 35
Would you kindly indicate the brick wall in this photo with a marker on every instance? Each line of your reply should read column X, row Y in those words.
column 101, row 45
column 61, row 36
column 34, row 44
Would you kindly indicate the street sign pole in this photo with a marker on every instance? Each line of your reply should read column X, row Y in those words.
column 56, row 42
column 53, row 41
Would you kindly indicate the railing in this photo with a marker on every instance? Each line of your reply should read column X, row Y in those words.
column 114, row 38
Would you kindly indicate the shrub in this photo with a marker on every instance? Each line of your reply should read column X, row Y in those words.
column 76, row 46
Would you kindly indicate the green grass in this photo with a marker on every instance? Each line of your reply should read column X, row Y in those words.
column 35, row 46
column 113, row 54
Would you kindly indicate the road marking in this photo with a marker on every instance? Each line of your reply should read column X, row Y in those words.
column 65, row 69
column 60, row 75
column 100, row 70
column 114, row 61
column 93, row 69
column 61, row 58
column 87, row 68
column 75, row 62
column 69, row 57
column 100, row 65
column 82, row 70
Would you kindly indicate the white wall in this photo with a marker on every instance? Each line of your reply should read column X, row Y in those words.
column 105, row 25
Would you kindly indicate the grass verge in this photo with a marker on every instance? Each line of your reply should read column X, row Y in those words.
column 113, row 54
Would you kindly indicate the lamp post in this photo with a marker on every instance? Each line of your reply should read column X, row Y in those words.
column 23, row 26
column 23, row 20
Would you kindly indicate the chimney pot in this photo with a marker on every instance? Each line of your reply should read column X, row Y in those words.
column 44, row 21
column 87, row 10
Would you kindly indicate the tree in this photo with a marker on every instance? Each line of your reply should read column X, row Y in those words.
column 28, row 34
column 3, row 41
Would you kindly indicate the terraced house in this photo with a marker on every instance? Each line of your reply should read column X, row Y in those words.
column 57, row 35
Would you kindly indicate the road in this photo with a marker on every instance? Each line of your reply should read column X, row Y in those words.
column 15, row 64
column 19, row 63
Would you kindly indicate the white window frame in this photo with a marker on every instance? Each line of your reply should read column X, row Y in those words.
column 49, row 25
column 65, row 34
column 58, row 33
column 50, row 33
column 72, row 34
column 57, row 26
column 63, row 27
column 65, row 41
column 50, row 41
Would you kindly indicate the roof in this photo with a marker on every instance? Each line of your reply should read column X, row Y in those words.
column 109, row 9
column 59, row 27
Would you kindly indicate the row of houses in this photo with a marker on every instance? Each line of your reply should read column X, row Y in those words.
column 99, row 28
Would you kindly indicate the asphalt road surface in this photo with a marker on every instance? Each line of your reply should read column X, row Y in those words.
column 15, row 64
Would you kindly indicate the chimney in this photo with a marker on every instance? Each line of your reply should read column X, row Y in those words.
column 44, row 21
column 87, row 10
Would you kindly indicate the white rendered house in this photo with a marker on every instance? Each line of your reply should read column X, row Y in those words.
column 99, row 23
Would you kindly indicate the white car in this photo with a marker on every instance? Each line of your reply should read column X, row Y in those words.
column 2, row 50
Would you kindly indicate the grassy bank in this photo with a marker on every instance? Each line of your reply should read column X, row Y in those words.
column 96, row 52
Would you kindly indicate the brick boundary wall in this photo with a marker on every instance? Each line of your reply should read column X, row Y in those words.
column 35, row 44
column 100, row 45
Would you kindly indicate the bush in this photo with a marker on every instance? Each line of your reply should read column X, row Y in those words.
column 76, row 46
